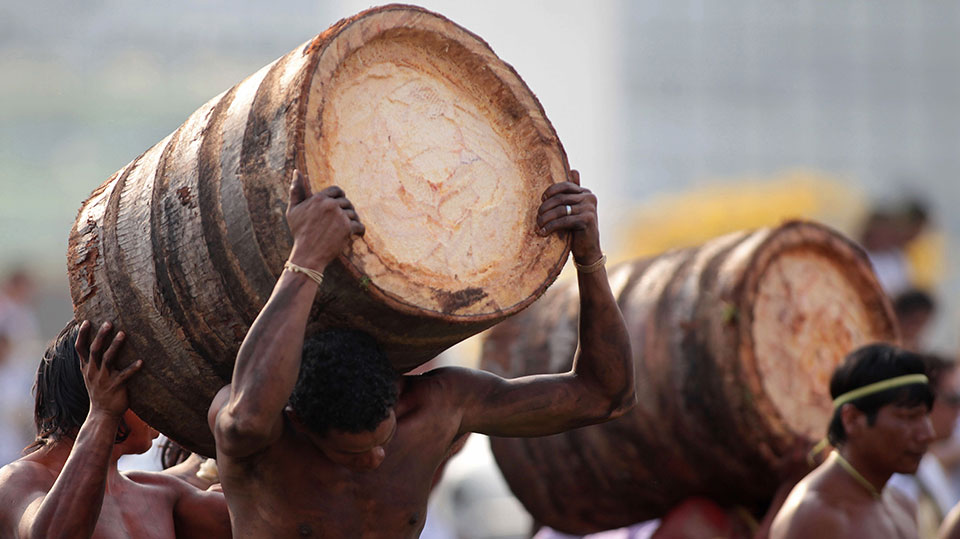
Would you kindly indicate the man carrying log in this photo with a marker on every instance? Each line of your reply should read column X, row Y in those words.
column 69, row 486
column 350, row 448
column 880, row 426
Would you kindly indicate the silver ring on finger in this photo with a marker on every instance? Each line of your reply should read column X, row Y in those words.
column 569, row 209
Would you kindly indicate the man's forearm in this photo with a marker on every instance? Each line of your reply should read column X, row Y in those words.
column 605, row 361
column 72, row 507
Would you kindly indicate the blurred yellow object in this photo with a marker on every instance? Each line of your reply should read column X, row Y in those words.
column 692, row 217
column 925, row 256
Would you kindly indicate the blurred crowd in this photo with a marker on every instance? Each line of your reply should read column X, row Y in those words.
column 887, row 236
column 20, row 349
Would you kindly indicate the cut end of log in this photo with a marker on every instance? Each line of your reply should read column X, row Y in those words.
column 812, row 307
column 444, row 152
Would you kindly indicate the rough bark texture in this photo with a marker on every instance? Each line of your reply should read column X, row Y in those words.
column 182, row 246
column 727, row 338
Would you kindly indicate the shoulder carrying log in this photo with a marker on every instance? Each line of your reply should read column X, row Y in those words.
column 734, row 344
column 439, row 144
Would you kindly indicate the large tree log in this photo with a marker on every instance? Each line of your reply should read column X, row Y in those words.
column 734, row 343
column 443, row 150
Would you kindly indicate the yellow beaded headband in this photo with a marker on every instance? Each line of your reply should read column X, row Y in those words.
column 877, row 387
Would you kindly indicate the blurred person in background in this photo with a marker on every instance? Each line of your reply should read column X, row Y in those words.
column 20, row 331
column 930, row 488
column 17, row 313
column 886, row 235
column 914, row 310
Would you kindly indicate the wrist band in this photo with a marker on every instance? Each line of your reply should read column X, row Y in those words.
column 590, row 268
column 313, row 274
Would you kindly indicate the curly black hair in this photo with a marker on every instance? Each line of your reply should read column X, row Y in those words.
column 874, row 363
column 346, row 383
column 61, row 401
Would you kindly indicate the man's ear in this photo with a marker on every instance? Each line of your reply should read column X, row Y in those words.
column 853, row 419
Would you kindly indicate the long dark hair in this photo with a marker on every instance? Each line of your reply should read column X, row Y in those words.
column 61, row 402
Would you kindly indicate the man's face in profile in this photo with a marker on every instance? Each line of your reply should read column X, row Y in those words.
column 899, row 437
column 140, row 436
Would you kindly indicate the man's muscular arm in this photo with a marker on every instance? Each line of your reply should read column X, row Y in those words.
column 600, row 386
column 200, row 514
column 197, row 513
column 246, row 416
column 71, row 508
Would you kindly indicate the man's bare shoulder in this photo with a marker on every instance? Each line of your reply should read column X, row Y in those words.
column 436, row 381
column 21, row 482
column 156, row 479
column 26, row 473
column 166, row 483
column 449, row 378
column 171, row 489
column 447, row 384
column 810, row 512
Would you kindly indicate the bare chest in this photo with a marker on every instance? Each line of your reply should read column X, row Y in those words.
column 135, row 514
column 294, row 492
column 884, row 521
column 308, row 504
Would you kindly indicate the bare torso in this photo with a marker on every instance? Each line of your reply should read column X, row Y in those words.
column 126, row 496
column 827, row 504
column 292, row 490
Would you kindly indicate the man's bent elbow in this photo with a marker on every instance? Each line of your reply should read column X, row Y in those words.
column 606, row 406
column 622, row 403
column 620, row 399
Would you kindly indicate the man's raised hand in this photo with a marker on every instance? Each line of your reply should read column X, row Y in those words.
column 106, row 386
column 567, row 206
column 321, row 223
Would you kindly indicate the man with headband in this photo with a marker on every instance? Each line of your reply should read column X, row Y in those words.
column 880, row 426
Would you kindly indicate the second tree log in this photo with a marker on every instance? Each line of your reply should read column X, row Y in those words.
column 734, row 343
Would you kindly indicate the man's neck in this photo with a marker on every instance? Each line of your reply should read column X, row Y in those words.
column 864, row 466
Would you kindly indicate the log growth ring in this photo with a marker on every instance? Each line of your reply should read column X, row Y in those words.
column 444, row 152
column 814, row 299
